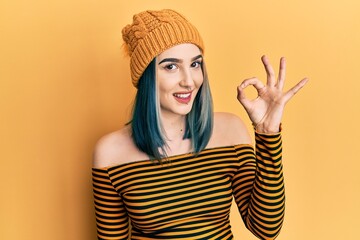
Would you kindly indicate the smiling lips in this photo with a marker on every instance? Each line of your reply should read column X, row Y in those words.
column 183, row 97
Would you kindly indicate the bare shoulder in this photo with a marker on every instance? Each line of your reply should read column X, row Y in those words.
column 229, row 129
column 116, row 148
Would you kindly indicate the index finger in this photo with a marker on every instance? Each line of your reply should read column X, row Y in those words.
column 282, row 70
column 269, row 71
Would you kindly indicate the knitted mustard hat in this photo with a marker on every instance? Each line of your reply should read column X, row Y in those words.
column 151, row 33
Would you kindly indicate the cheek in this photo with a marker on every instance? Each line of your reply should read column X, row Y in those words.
column 165, row 87
column 199, row 79
column 165, row 90
column 163, row 84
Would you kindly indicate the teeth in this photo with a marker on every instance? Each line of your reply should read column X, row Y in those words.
column 184, row 95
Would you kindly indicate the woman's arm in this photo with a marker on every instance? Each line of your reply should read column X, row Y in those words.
column 258, row 186
column 111, row 218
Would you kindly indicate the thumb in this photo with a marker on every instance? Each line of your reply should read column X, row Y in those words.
column 241, row 96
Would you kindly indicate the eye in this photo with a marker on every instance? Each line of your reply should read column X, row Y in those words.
column 196, row 64
column 170, row 67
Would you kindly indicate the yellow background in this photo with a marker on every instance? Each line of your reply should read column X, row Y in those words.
column 64, row 82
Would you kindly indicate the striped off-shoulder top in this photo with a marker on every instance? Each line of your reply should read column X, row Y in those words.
column 190, row 196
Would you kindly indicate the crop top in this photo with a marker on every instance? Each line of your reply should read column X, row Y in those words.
column 189, row 197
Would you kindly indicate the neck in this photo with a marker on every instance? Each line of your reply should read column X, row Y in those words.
column 174, row 127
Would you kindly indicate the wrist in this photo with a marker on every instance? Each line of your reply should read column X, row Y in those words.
column 264, row 129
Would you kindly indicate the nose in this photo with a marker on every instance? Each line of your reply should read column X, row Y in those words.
column 187, row 80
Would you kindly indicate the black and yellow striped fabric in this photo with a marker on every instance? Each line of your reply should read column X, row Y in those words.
column 190, row 197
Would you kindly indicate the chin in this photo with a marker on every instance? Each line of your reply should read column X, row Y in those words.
column 179, row 110
column 183, row 111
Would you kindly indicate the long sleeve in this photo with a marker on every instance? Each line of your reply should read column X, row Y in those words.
column 111, row 218
column 258, row 186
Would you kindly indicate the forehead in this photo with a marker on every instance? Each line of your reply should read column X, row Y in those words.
column 181, row 51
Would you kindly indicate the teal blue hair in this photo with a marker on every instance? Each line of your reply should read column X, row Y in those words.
column 146, row 125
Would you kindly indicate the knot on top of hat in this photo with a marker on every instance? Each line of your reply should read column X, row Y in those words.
column 162, row 16
column 139, row 28
column 134, row 32
column 167, row 16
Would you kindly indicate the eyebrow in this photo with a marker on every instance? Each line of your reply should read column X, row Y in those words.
column 178, row 60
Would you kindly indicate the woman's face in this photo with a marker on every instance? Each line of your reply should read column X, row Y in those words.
column 179, row 77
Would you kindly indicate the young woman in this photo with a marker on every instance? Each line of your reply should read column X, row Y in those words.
column 172, row 172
